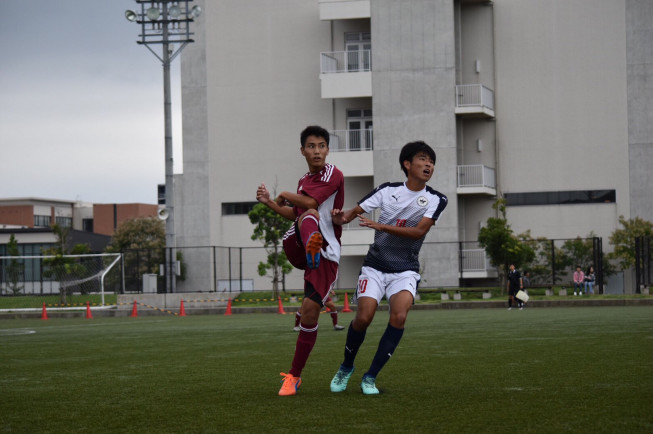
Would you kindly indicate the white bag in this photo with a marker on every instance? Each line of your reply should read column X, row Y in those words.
column 521, row 295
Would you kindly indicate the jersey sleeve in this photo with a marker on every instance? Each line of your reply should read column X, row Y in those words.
column 436, row 206
column 373, row 199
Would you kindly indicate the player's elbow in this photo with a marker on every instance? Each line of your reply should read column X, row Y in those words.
column 418, row 234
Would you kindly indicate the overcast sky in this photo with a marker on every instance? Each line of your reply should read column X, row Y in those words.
column 81, row 104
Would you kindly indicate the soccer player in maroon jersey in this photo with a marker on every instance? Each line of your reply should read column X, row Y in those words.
column 391, row 268
column 312, row 243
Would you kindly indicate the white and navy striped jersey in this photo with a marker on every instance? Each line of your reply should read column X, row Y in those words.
column 400, row 207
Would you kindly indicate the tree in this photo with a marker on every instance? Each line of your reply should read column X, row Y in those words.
column 623, row 240
column 269, row 229
column 15, row 268
column 138, row 233
column 61, row 267
column 503, row 247
column 142, row 241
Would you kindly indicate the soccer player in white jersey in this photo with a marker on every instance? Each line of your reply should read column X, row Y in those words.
column 391, row 268
column 312, row 243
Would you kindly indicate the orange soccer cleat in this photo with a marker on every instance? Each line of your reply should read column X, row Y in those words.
column 290, row 385
column 313, row 246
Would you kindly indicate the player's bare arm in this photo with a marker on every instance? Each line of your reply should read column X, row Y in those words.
column 299, row 200
column 278, row 206
column 341, row 217
column 414, row 233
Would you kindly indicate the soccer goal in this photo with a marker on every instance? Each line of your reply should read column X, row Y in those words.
column 59, row 275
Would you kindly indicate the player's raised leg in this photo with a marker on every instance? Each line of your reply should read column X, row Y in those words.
column 309, row 228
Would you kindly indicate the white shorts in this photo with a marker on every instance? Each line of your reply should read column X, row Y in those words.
column 376, row 284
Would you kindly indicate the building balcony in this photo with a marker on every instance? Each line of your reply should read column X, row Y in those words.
column 351, row 140
column 346, row 74
column 351, row 152
column 344, row 9
column 474, row 264
column 476, row 179
column 474, row 100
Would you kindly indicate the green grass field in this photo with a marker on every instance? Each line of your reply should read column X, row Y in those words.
column 475, row 370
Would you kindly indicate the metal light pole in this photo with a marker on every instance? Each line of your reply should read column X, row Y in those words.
column 166, row 22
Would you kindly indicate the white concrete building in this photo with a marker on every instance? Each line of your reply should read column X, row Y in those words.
column 545, row 102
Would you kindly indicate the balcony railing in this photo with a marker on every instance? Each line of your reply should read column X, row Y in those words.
column 351, row 140
column 345, row 61
column 474, row 95
column 475, row 260
column 476, row 176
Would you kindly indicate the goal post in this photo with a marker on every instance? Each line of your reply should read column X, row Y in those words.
column 42, row 276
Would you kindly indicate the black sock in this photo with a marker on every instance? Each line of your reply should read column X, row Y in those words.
column 387, row 345
column 354, row 341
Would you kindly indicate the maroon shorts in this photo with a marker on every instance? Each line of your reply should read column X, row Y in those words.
column 318, row 281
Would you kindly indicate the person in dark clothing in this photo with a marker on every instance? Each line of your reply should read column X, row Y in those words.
column 515, row 284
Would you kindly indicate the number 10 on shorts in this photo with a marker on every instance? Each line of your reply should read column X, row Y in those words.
column 362, row 286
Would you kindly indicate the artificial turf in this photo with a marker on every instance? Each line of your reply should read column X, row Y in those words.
column 544, row 370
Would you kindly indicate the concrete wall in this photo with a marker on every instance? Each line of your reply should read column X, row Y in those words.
column 639, row 57
column 413, row 84
column 562, row 110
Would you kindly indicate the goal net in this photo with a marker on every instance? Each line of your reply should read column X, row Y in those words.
column 59, row 277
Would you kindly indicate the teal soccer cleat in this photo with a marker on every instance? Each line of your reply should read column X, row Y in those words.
column 368, row 387
column 340, row 380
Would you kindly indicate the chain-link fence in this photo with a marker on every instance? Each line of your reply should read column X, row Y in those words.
column 553, row 264
column 235, row 269
column 643, row 264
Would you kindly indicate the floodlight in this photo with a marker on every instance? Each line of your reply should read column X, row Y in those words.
column 174, row 11
column 153, row 13
column 196, row 11
column 130, row 15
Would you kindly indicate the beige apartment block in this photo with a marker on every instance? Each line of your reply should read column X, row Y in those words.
column 546, row 103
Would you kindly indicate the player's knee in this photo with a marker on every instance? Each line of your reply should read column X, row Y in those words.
column 309, row 212
column 362, row 322
column 398, row 319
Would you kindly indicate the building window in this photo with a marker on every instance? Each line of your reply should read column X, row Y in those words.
column 87, row 225
column 42, row 221
column 234, row 208
column 161, row 194
column 561, row 197
column 359, row 129
column 32, row 268
column 358, row 46
column 64, row 222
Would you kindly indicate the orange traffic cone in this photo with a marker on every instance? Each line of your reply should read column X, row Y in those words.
column 182, row 311
column 346, row 308
column 134, row 310
column 44, row 314
column 88, row 311
column 228, row 311
column 281, row 311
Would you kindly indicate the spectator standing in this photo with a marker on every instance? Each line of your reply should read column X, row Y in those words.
column 515, row 283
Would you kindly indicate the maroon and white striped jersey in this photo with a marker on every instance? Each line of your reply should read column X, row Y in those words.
column 327, row 187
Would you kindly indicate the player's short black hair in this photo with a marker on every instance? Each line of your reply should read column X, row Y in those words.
column 314, row 130
column 411, row 149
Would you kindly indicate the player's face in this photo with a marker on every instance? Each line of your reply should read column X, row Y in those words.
column 315, row 151
column 421, row 167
